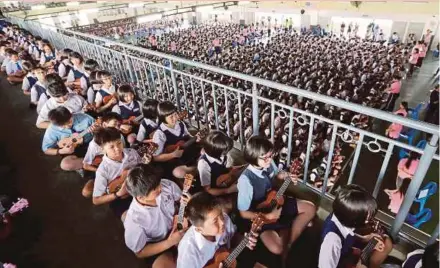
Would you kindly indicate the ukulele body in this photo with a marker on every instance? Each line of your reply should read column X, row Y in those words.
column 266, row 205
column 116, row 184
column 97, row 160
column 68, row 142
column 108, row 99
column 226, row 180
column 353, row 259
column 220, row 255
column 129, row 121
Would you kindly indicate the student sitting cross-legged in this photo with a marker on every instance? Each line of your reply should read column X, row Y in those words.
column 211, row 229
column 253, row 185
column 353, row 208
column 115, row 163
column 62, row 125
column 14, row 68
column 95, row 151
column 60, row 96
column 148, row 226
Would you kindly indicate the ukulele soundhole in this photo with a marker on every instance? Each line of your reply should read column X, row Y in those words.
column 74, row 140
column 179, row 226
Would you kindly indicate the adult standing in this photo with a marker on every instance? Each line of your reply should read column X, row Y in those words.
column 432, row 113
column 394, row 93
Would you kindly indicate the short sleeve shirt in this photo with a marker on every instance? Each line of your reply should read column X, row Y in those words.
column 145, row 224
column 160, row 138
column 74, row 104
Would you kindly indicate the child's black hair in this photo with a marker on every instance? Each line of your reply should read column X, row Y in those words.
column 165, row 109
column 256, row 147
column 53, row 78
column 106, row 135
column 354, row 206
column 111, row 116
column 217, row 143
column 59, row 116
column 76, row 55
column 91, row 65
column 124, row 91
column 57, row 89
column 199, row 207
column 149, row 109
column 141, row 180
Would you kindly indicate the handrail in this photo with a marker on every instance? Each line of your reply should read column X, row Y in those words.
column 390, row 117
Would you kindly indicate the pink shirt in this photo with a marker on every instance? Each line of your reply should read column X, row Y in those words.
column 216, row 42
column 396, row 200
column 414, row 58
column 402, row 111
column 394, row 130
column 395, row 87
column 193, row 33
column 427, row 38
column 245, row 32
column 422, row 51
column 173, row 46
column 404, row 172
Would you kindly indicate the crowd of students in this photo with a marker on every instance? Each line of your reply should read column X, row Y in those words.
column 139, row 157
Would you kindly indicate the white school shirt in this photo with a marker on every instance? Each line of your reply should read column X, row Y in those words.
column 159, row 137
column 142, row 131
column 109, row 169
column 26, row 86
column 117, row 110
column 93, row 150
column 205, row 170
column 111, row 91
column 145, row 224
column 196, row 250
column 34, row 92
column 83, row 83
column 74, row 104
column 331, row 246
column 62, row 68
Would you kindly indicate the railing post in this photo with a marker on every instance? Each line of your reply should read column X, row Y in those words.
column 416, row 182
column 434, row 236
column 176, row 90
column 255, row 112
column 130, row 66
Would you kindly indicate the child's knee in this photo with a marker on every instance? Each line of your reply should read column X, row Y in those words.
column 88, row 189
column 179, row 172
column 131, row 138
column 67, row 164
column 388, row 245
column 306, row 207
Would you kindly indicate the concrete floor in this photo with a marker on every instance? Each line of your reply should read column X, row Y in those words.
column 61, row 228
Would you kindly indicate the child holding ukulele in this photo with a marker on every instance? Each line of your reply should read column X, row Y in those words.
column 211, row 230
column 212, row 165
column 353, row 208
column 149, row 123
column 255, row 182
column 148, row 226
column 171, row 130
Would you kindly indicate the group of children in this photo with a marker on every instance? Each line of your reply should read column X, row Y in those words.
column 101, row 130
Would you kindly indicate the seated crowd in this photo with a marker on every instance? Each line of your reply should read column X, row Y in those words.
column 179, row 197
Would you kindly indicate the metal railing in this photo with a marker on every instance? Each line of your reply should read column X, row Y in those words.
column 240, row 111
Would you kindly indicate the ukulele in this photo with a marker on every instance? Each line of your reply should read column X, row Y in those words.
column 77, row 138
column 179, row 222
column 108, row 99
column 231, row 177
column 97, row 160
column 145, row 150
column 228, row 259
column 276, row 198
column 184, row 144
column 5, row 223
column 363, row 256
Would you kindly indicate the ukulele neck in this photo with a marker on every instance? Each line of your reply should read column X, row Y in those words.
column 284, row 187
column 234, row 254
column 368, row 251
column 181, row 210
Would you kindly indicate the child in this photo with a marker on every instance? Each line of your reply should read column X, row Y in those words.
column 170, row 132
column 30, row 79
column 393, row 131
column 413, row 61
column 63, row 125
column 211, row 229
column 128, row 108
column 116, row 159
column 76, row 72
column 14, row 68
column 109, row 120
column 64, row 64
column 212, row 164
column 149, row 123
column 107, row 89
column 38, row 91
column 396, row 196
column 407, row 168
column 253, row 184
column 59, row 97
column 7, row 58
column 353, row 208
column 403, row 109
column 149, row 222
column 48, row 57
column 90, row 65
